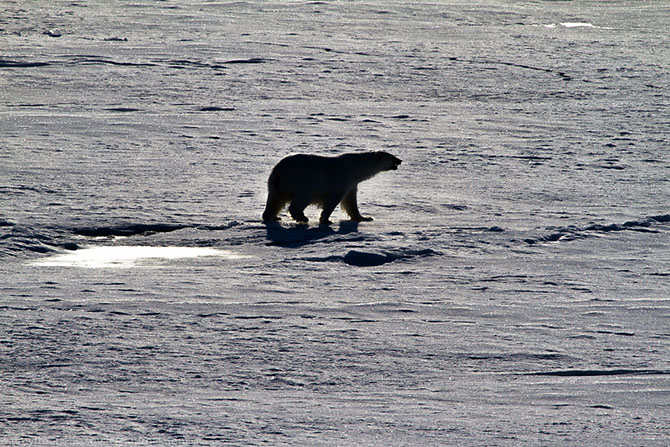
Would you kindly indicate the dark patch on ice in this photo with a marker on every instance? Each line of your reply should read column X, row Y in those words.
column 455, row 207
column 116, row 39
column 562, row 74
column 128, row 230
column 601, row 372
column 253, row 60
column 624, row 334
column 662, row 218
column 358, row 258
column 6, row 63
column 363, row 259
column 213, row 314
column 28, row 105
column 548, row 238
column 216, row 109
column 55, row 365
column 515, row 357
column 98, row 60
column 258, row 317
column 572, row 233
column 18, row 239
column 334, row 51
column 122, row 109
column 611, row 167
column 186, row 63
column 231, row 224
column 70, row 246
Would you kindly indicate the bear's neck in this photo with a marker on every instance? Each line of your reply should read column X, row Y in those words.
column 362, row 170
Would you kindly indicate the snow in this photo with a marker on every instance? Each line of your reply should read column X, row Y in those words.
column 512, row 289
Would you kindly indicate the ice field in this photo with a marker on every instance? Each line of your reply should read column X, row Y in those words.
column 513, row 289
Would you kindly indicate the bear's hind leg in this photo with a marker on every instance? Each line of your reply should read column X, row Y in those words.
column 325, row 215
column 332, row 200
column 350, row 206
column 273, row 207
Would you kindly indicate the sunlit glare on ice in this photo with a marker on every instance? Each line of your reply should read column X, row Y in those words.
column 130, row 256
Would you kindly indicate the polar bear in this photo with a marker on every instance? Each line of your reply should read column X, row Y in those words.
column 303, row 179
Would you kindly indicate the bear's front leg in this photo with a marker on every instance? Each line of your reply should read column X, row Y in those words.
column 350, row 206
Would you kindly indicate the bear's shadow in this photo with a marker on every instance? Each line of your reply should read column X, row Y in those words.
column 299, row 235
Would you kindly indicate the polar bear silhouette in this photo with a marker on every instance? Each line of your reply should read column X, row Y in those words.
column 301, row 180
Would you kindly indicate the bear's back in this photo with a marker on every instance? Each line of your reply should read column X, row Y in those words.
column 305, row 175
column 307, row 165
column 299, row 160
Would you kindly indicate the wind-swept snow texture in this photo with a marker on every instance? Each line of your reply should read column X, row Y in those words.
column 513, row 289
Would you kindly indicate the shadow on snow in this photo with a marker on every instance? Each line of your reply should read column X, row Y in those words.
column 299, row 235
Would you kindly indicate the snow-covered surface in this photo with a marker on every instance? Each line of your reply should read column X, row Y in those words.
column 513, row 288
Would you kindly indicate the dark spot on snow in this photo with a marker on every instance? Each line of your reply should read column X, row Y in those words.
column 253, row 60
column 128, row 230
column 549, row 238
column 612, row 167
column 491, row 64
column 455, row 207
column 97, row 60
column 6, row 63
column 362, row 259
column 122, row 109
column 216, row 109
column 572, row 233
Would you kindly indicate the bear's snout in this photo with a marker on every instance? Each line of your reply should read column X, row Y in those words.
column 396, row 163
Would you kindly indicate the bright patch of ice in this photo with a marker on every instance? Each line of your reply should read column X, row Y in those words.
column 577, row 25
column 129, row 256
column 571, row 25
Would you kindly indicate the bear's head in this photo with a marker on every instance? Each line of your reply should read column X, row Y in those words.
column 387, row 161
